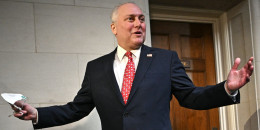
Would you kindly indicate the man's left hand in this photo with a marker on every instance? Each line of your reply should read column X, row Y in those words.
column 238, row 78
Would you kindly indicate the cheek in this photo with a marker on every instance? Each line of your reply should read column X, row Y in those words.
column 143, row 27
column 126, row 29
column 130, row 27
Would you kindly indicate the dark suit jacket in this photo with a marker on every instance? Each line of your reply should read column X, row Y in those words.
column 156, row 79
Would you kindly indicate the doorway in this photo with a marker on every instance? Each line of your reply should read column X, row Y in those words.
column 194, row 44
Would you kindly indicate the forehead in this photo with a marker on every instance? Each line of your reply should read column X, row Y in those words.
column 129, row 9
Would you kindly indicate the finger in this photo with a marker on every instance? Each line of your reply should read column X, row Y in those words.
column 250, row 62
column 18, row 114
column 15, row 108
column 28, row 118
column 24, row 111
column 250, row 70
column 249, row 66
column 251, row 59
column 19, row 103
column 236, row 64
column 247, row 78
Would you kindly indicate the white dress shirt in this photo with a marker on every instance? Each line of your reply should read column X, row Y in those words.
column 121, row 61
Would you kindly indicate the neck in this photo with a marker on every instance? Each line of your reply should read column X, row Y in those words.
column 130, row 48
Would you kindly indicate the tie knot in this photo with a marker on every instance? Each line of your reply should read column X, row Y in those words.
column 128, row 54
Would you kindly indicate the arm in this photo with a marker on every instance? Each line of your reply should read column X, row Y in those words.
column 197, row 97
column 73, row 111
column 81, row 106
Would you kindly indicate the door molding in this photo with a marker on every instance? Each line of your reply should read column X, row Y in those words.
column 218, row 19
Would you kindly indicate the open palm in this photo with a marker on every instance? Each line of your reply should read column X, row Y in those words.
column 238, row 78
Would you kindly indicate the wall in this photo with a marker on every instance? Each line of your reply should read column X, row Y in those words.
column 242, row 46
column 254, row 8
column 44, row 48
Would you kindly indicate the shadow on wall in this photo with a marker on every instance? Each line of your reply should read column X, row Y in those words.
column 252, row 122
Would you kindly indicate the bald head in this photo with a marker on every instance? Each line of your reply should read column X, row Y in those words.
column 114, row 14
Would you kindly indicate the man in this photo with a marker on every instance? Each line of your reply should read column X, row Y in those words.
column 132, row 86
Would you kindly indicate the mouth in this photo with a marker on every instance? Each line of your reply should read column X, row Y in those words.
column 138, row 33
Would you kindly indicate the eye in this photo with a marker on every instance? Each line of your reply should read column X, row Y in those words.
column 142, row 19
column 131, row 19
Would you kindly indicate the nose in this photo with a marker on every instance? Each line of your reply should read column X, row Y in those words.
column 137, row 23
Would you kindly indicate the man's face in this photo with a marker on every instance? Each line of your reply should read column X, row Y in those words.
column 129, row 27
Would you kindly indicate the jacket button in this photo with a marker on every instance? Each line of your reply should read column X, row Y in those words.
column 125, row 114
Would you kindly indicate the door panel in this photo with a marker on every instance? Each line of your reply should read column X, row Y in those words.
column 194, row 44
column 191, row 47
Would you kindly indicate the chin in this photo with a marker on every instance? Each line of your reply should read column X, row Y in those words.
column 139, row 41
column 138, row 44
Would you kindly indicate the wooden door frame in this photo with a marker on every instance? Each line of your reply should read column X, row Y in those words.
column 227, row 114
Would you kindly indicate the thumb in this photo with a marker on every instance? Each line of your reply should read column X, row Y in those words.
column 236, row 64
column 19, row 103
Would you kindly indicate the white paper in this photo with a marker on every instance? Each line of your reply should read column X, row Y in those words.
column 12, row 97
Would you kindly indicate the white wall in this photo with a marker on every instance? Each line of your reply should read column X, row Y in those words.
column 242, row 46
column 45, row 46
column 254, row 8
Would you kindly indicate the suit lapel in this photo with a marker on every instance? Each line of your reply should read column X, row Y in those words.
column 144, row 63
column 109, row 71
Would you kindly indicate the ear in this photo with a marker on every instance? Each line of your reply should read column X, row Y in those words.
column 113, row 28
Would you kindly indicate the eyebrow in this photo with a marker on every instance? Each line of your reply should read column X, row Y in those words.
column 139, row 15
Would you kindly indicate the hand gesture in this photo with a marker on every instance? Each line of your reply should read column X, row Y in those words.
column 238, row 78
column 27, row 113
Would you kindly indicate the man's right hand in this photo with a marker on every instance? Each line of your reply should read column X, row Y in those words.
column 27, row 113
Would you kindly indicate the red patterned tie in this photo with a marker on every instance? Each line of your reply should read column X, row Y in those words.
column 128, row 77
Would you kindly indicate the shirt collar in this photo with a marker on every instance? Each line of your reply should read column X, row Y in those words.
column 121, row 52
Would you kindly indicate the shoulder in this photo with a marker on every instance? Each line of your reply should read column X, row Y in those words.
column 105, row 58
column 160, row 51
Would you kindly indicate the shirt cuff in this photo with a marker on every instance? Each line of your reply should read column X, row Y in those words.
column 35, row 123
column 232, row 95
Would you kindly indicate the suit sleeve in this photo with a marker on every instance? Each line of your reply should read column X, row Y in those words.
column 193, row 97
column 73, row 111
